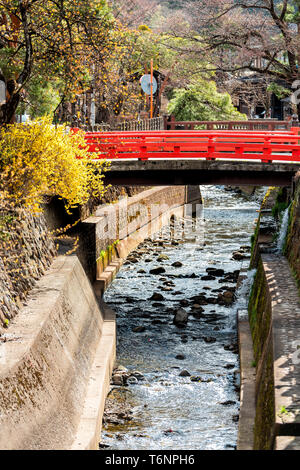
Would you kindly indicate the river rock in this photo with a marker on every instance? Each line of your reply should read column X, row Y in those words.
column 227, row 298
column 228, row 403
column 215, row 272
column 238, row 256
column 103, row 446
column 232, row 347
column 157, row 271
column 180, row 318
column 184, row 303
column 157, row 322
column 117, row 379
column 209, row 340
column 139, row 329
column 121, row 368
column 177, row 264
column 180, row 357
column 141, row 271
column 163, row 258
column 200, row 300
column 208, row 278
column 197, row 307
column 184, row 373
column 157, row 297
column 169, row 283
column 211, row 300
column 132, row 380
column 197, row 315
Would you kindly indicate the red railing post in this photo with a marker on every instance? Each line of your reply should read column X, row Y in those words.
column 176, row 153
column 239, row 152
column 210, row 149
column 267, row 151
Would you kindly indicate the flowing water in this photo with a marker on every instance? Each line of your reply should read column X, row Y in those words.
column 283, row 230
column 169, row 411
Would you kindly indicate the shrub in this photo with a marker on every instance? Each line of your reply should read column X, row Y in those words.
column 38, row 160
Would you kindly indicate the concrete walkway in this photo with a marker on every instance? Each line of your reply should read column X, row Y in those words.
column 284, row 294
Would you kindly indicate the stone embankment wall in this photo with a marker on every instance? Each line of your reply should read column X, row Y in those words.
column 28, row 247
column 274, row 316
column 26, row 252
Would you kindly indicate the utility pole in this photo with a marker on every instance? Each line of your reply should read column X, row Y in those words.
column 151, row 88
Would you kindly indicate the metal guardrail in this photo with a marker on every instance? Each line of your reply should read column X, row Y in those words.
column 96, row 128
column 155, row 124
column 252, row 125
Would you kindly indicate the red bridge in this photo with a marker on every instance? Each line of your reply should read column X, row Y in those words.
column 266, row 158
column 209, row 145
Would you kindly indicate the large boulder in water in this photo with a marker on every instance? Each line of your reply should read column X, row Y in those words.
column 157, row 271
column 181, row 318
column 157, row 297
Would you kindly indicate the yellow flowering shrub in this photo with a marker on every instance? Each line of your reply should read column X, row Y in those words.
column 37, row 159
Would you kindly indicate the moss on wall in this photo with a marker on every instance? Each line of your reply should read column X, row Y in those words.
column 265, row 404
column 260, row 317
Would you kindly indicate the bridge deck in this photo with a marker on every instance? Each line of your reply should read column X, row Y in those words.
column 199, row 172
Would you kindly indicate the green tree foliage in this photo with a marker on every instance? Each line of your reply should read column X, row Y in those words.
column 201, row 101
column 51, row 42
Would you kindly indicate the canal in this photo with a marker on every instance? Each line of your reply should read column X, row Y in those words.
column 183, row 389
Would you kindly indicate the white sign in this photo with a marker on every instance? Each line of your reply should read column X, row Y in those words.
column 146, row 84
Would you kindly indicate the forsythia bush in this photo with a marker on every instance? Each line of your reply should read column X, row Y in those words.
column 38, row 159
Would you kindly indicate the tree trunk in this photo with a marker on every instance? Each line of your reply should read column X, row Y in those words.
column 8, row 110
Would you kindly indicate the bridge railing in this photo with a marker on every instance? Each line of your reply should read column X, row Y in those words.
column 210, row 145
column 154, row 124
column 252, row 125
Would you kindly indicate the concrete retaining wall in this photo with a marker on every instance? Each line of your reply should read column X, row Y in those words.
column 117, row 229
column 57, row 356
column 60, row 342
column 274, row 312
column 247, row 393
